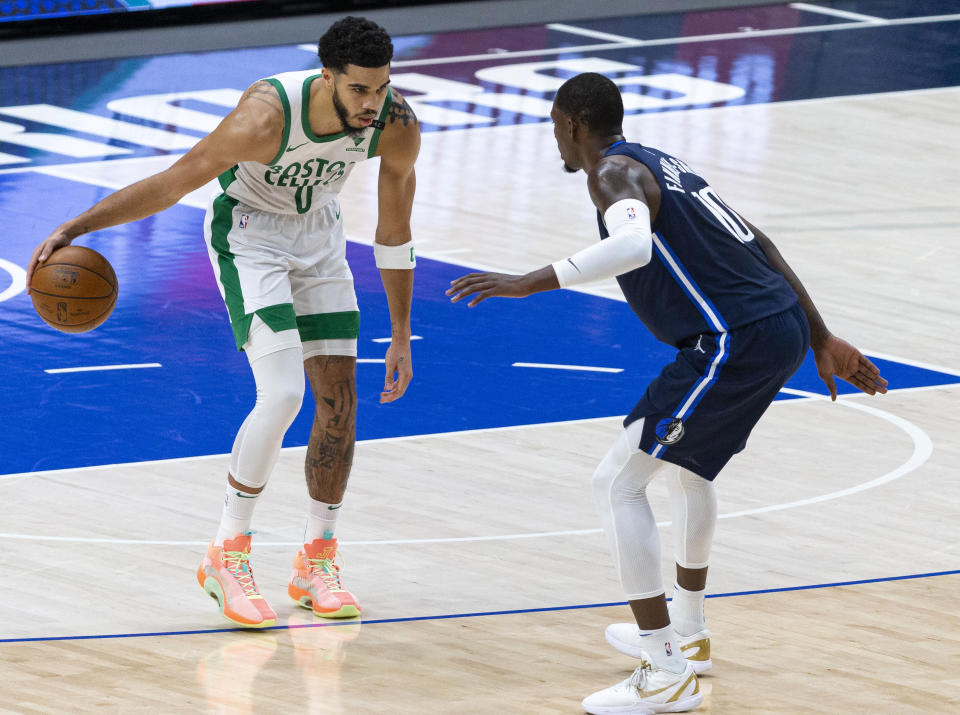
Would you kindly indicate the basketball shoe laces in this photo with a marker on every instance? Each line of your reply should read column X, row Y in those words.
column 638, row 680
column 238, row 564
column 328, row 572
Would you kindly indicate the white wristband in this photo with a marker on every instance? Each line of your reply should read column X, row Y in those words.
column 400, row 257
column 629, row 246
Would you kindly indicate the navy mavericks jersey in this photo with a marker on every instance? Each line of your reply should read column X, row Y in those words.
column 707, row 273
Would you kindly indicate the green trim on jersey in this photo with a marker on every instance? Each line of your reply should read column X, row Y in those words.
column 375, row 139
column 329, row 326
column 277, row 85
column 228, row 177
column 305, row 115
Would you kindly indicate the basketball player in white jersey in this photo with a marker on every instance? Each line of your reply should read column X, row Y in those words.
column 277, row 245
column 710, row 284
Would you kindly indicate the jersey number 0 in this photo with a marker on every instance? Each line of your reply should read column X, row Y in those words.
column 726, row 216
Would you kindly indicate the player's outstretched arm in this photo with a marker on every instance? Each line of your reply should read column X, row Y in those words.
column 619, row 189
column 393, row 244
column 251, row 132
column 501, row 285
column 834, row 356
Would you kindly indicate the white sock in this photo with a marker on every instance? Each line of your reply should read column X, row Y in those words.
column 686, row 611
column 663, row 647
column 236, row 516
column 321, row 521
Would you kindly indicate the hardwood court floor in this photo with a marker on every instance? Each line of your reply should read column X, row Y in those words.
column 862, row 649
column 881, row 647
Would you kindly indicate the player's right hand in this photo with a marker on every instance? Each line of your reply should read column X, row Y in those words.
column 399, row 365
column 41, row 253
column 487, row 285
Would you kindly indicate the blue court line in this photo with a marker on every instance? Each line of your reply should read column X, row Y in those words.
column 471, row 615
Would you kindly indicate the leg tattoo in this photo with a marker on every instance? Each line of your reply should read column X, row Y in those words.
column 330, row 449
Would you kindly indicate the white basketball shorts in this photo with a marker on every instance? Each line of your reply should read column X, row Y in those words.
column 289, row 270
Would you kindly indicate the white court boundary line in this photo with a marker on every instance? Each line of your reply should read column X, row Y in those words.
column 595, row 34
column 18, row 280
column 632, row 43
column 95, row 368
column 555, row 366
column 820, row 10
column 922, row 449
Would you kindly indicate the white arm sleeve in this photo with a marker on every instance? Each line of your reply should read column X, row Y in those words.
column 629, row 246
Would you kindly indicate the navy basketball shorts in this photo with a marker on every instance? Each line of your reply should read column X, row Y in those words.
column 700, row 409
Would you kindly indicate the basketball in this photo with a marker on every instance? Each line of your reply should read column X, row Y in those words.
column 74, row 290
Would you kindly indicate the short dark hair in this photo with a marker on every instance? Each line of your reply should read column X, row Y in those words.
column 594, row 100
column 354, row 41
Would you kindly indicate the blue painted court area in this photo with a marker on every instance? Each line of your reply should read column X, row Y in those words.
column 170, row 311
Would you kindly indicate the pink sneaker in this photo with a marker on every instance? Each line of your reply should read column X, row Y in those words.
column 226, row 576
column 315, row 582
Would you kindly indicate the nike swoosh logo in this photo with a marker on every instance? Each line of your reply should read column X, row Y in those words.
column 574, row 265
column 291, row 148
column 331, row 508
column 650, row 693
column 247, row 496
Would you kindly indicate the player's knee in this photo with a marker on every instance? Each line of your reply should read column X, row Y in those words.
column 685, row 486
column 610, row 467
column 287, row 399
column 624, row 473
column 280, row 401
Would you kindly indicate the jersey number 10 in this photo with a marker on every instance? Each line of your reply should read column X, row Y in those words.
column 726, row 216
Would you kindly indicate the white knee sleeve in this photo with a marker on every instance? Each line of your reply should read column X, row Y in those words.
column 693, row 501
column 620, row 487
column 277, row 363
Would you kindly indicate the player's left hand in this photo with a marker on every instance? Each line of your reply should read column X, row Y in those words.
column 487, row 285
column 840, row 358
column 399, row 364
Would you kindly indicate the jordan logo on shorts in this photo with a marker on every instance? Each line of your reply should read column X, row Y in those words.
column 698, row 346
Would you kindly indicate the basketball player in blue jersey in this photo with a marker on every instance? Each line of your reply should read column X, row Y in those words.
column 707, row 282
column 278, row 249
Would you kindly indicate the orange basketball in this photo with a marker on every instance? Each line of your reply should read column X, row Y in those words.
column 74, row 290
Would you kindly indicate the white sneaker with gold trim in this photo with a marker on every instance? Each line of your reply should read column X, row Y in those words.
column 649, row 690
column 625, row 637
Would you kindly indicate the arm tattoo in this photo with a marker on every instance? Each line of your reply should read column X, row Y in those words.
column 264, row 92
column 400, row 111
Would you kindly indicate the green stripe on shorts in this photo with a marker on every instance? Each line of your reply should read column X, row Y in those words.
column 278, row 317
column 329, row 326
column 229, row 278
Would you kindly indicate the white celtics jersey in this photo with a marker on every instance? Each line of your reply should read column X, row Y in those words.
column 308, row 171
